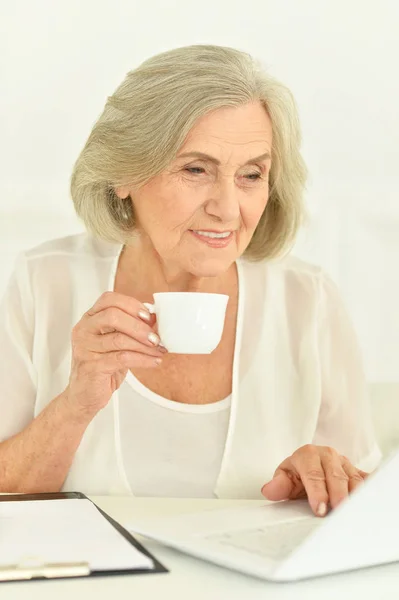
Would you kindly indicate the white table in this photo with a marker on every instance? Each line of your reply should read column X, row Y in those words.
column 194, row 579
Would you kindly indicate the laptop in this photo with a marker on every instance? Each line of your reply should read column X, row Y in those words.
column 283, row 541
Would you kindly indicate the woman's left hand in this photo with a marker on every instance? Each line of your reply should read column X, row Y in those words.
column 318, row 473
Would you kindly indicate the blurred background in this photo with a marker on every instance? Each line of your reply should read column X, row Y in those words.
column 60, row 60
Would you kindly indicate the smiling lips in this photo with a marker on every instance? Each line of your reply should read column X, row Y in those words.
column 214, row 239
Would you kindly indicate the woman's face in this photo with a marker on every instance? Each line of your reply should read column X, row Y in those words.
column 201, row 212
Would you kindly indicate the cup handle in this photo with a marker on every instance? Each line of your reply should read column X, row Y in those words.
column 150, row 307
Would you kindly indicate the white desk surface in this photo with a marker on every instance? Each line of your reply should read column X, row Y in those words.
column 193, row 579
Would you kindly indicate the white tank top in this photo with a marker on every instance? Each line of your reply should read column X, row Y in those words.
column 168, row 448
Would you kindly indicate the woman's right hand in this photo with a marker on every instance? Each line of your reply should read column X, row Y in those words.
column 115, row 335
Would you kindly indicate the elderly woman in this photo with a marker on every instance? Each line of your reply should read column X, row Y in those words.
column 191, row 180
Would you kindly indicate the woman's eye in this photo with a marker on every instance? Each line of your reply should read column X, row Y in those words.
column 194, row 170
column 253, row 176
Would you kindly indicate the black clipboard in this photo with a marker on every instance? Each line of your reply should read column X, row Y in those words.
column 76, row 570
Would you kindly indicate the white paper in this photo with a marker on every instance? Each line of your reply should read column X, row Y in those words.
column 58, row 531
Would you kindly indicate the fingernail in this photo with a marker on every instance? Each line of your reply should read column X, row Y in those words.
column 158, row 361
column 143, row 314
column 162, row 348
column 153, row 338
column 321, row 509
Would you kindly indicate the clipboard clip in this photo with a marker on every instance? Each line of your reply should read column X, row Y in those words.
column 34, row 569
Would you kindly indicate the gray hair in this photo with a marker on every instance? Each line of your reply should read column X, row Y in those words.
column 146, row 120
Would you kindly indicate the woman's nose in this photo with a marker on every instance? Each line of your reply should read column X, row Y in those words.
column 224, row 202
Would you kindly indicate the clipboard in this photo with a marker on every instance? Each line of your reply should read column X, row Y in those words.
column 32, row 572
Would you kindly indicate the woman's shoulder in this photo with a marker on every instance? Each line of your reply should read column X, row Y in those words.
column 288, row 269
column 69, row 263
column 290, row 282
column 78, row 246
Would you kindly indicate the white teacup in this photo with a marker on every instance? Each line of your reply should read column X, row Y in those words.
column 189, row 322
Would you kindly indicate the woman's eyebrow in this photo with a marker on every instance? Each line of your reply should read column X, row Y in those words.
column 194, row 154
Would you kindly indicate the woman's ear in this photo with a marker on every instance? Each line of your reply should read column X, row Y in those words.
column 122, row 191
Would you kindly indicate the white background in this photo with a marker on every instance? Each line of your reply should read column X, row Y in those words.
column 60, row 60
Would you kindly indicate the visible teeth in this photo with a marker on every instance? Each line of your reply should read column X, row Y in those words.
column 211, row 234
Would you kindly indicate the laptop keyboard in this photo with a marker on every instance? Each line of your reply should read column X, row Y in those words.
column 271, row 541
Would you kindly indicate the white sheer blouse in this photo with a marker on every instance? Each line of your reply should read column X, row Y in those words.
column 297, row 375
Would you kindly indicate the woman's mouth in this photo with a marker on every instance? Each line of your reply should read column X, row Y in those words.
column 214, row 239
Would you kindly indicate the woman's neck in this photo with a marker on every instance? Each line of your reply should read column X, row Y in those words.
column 142, row 271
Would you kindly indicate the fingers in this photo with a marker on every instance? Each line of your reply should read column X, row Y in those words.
column 113, row 342
column 317, row 472
column 112, row 362
column 115, row 334
column 307, row 463
column 112, row 299
column 113, row 319
column 283, row 486
column 362, row 473
column 342, row 477
column 356, row 476
column 337, row 479
column 305, row 472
